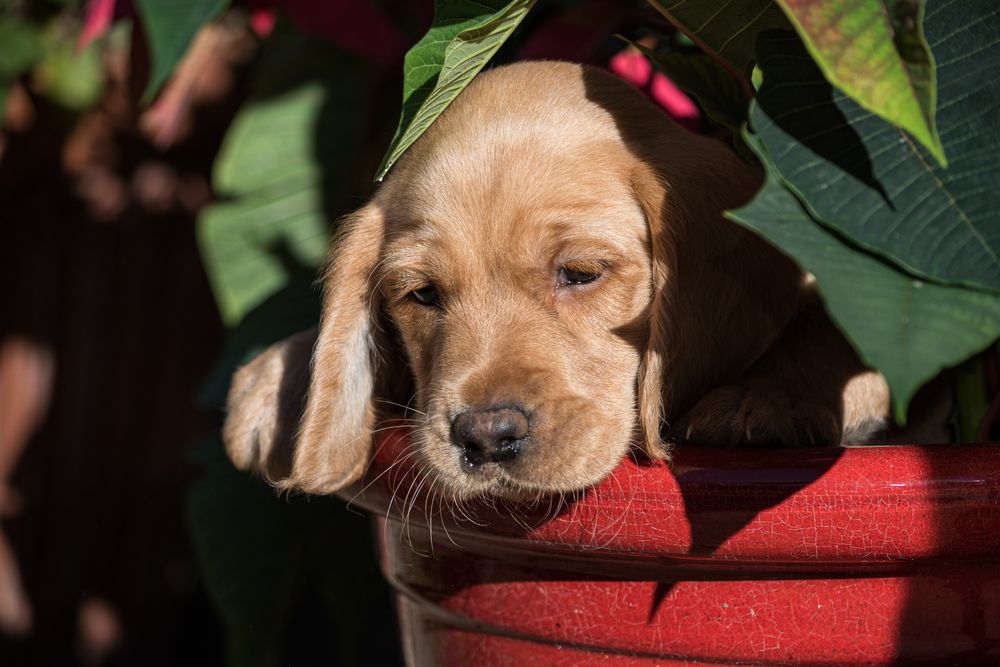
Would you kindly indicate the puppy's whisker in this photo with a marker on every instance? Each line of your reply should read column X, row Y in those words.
column 442, row 504
column 457, row 511
column 394, row 490
column 444, row 523
column 516, row 513
column 635, row 456
column 428, row 505
column 406, row 455
column 371, row 460
column 409, row 505
column 402, row 420
column 407, row 407
column 622, row 519
column 417, row 497
column 468, row 513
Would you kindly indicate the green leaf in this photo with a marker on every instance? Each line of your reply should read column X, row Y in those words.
column 254, row 245
column 20, row 48
column 72, row 79
column 283, row 172
column 869, row 180
column 260, row 554
column 726, row 29
column 270, row 144
column 874, row 50
column 249, row 546
column 464, row 36
column 170, row 27
column 907, row 328
column 718, row 92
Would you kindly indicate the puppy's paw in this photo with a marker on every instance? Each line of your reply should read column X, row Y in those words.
column 762, row 416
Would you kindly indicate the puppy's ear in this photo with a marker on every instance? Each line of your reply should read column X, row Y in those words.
column 335, row 436
column 265, row 406
column 721, row 294
column 302, row 412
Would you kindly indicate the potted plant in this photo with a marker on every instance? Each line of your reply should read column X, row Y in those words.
column 873, row 125
column 861, row 555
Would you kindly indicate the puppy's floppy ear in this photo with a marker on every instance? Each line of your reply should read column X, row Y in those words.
column 721, row 294
column 302, row 413
column 265, row 405
column 335, row 436
column 650, row 193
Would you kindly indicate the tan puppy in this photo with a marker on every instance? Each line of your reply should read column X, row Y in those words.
column 547, row 279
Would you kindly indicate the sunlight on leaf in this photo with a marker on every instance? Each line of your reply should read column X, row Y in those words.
column 875, row 51
column 907, row 328
column 465, row 35
column 282, row 172
column 869, row 180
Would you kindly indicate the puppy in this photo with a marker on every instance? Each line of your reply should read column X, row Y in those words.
column 546, row 279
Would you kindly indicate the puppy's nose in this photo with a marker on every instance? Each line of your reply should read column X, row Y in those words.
column 494, row 434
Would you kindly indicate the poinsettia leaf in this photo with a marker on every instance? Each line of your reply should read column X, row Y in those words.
column 254, row 245
column 20, row 47
column 869, row 180
column 464, row 36
column 97, row 20
column 875, row 51
column 282, row 171
column 171, row 26
column 71, row 77
column 725, row 29
column 907, row 328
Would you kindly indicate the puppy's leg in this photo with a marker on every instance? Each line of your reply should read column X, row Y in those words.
column 809, row 389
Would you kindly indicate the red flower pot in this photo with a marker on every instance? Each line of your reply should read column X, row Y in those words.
column 868, row 555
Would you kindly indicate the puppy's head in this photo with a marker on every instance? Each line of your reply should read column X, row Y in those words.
column 527, row 260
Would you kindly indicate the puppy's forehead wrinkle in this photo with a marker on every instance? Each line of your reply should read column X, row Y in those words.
column 508, row 140
column 446, row 208
column 513, row 256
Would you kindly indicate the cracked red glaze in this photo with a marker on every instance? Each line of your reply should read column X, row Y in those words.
column 869, row 555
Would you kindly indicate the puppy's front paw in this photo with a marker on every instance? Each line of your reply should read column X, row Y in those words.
column 736, row 415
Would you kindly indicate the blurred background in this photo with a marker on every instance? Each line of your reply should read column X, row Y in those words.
column 165, row 203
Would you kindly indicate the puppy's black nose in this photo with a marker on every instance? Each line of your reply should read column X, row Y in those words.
column 493, row 434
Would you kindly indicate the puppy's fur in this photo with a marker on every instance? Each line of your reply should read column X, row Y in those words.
column 691, row 328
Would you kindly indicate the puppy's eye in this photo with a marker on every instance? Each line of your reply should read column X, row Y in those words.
column 578, row 275
column 427, row 296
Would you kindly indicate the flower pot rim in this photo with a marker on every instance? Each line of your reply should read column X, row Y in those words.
column 869, row 506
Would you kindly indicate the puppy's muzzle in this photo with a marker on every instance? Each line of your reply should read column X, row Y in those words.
column 492, row 435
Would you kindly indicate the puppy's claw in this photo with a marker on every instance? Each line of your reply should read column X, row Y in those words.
column 687, row 434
